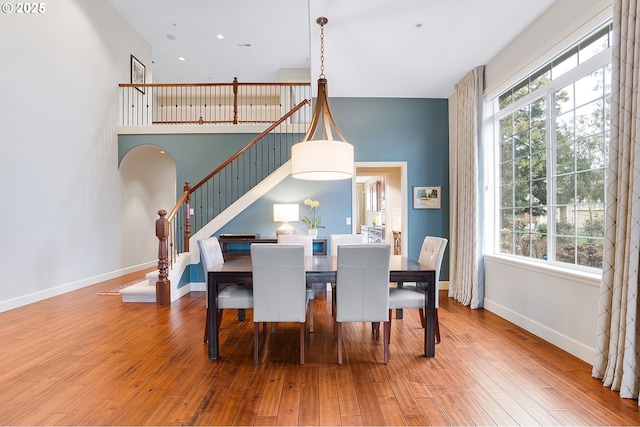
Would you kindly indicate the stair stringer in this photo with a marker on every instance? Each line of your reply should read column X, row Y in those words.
column 215, row 225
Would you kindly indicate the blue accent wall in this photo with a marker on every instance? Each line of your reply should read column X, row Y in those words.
column 411, row 130
column 196, row 155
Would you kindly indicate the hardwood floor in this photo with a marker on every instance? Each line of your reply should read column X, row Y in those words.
column 86, row 359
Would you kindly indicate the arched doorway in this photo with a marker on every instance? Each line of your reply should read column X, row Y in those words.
column 148, row 185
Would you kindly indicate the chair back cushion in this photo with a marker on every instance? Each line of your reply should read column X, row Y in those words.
column 362, row 283
column 279, row 286
column 210, row 254
column 343, row 239
column 432, row 252
column 298, row 239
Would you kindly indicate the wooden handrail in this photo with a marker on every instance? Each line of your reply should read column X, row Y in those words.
column 209, row 84
column 207, row 103
column 181, row 200
column 250, row 144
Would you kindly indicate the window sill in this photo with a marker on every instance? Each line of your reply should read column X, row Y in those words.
column 588, row 278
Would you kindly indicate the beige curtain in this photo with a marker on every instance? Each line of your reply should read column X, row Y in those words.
column 618, row 342
column 466, row 275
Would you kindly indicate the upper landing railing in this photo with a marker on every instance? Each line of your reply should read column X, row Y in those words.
column 211, row 103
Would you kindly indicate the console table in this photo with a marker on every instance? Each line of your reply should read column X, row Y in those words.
column 234, row 245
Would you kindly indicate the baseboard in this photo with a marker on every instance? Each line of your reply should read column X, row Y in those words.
column 198, row 286
column 556, row 338
column 44, row 294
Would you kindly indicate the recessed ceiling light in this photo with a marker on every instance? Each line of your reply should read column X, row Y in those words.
column 162, row 152
column 171, row 37
column 220, row 36
column 181, row 58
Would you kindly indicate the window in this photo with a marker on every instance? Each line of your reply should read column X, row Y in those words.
column 553, row 133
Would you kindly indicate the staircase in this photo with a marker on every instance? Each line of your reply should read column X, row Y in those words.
column 145, row 291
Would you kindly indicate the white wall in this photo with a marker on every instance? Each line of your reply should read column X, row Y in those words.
column 556, row 305
column 561, row 26
column 62, row 212
column 553, row 304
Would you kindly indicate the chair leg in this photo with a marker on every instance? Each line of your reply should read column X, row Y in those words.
column 256, row 341
column 423, row 321
column 375, row 330
column 311, row 304
column 333, row 299
column 339, row 331
column 303, row 327
column 390, row 317
column 386, row 339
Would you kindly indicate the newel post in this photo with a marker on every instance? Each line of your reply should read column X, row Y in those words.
column 163, row 285
column 187, row 216
column 235, row 100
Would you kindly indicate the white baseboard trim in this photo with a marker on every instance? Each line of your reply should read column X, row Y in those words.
column 23, row 300
column 198, row 286
column 556, row 338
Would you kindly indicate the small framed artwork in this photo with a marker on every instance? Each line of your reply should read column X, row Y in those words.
column 427, row 197
column 137, row 73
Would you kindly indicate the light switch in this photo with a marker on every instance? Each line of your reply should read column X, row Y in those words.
column 348, row 220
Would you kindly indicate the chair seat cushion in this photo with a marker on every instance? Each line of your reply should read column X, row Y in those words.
column 236, row 296
column 406, row 297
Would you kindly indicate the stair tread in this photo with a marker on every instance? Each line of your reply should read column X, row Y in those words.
column 140, row 292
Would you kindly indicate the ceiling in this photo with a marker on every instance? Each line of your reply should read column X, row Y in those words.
column 373, row 48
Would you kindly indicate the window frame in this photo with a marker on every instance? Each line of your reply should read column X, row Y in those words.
column 546, row 92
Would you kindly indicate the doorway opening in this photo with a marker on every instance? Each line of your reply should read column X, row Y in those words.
column 380, row 203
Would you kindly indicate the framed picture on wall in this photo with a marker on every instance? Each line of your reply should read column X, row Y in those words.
column 137, row 73
column 427, row 197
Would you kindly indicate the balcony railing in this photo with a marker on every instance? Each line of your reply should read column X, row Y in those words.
column 211, row 103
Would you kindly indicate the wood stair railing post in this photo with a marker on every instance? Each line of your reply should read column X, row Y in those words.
column 163, row 285
column 235, row 100
column 187, row 216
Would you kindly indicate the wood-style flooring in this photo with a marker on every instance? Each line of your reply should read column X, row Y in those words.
column 87, row 359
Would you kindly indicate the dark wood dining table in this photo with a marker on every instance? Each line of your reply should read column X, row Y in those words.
column 321, row 269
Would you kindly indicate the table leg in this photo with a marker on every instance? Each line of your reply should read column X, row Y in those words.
column 212, row 318
column 430, row 314
column 399, row 312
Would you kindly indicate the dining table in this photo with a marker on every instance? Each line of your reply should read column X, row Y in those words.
column 320, row 269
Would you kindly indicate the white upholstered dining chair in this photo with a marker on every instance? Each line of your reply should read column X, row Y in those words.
column 279, row 289
column 232, row 295
column 343, row 239
column 307, row 242
column 334, row 241
column 362, row 288
column 411, row 295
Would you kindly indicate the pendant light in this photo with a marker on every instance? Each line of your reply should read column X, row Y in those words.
column 323, row 158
